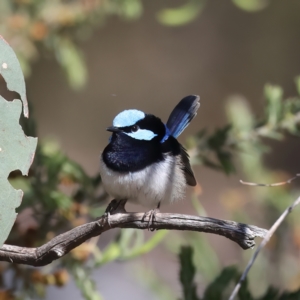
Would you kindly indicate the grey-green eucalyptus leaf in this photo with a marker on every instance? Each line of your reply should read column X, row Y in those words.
column 10, row 70
column 16, row 149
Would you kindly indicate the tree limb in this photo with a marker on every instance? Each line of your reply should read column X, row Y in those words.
column 62, row 244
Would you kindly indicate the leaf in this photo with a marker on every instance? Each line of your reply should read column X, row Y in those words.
column 187, row 273
column 297, row 81
column 215, row 290
column 225, row 158
column 244, row 293
column 181, row 15
column 273, row 95
column 240, row 116
column 147, row 246
column 251, row 5
column 111, row 252
column 11, row 72
column 131, row 9
column 85, row 283
column 16, row 149
column 72, row 61
column 219, row 138
column 217, row 142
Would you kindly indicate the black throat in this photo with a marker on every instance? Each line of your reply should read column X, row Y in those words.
column 125, row 154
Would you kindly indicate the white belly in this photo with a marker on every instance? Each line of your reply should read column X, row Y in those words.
column 161, row 182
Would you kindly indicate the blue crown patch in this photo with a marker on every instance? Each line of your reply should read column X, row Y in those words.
column 128, row 118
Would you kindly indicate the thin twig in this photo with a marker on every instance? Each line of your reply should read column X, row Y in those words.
column 271, row 184
column 263, row 243
column 62, row 244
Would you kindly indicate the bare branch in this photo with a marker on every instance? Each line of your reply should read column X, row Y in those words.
column 263, row 243
column 270, row 184
column 59, row 246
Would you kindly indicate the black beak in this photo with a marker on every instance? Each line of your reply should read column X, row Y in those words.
column 113, row 129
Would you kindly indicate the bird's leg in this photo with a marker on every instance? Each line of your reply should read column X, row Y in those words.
column 151, row 214
column 114, row 207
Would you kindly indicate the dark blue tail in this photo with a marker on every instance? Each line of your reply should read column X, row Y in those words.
column 183, row 114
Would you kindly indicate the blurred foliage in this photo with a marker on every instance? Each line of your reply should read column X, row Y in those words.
column 242, row 145
column 219, row 149
column 222, row 285
column 251, row 6
column 181, row 15
column 187, row 274
column 59, row 195
column 34, row 28
column 84, row 282
column 56, row 27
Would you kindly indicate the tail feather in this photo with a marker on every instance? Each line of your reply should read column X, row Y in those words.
column 183, row 113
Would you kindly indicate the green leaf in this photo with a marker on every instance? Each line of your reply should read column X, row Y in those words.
column 12, row 73
column 85, row 283
column 216, row 289
column 217, row 143
column 251, row 5
column 111, row 252
column 225, row 159
column 72, row 61
column 219, row 138
column 210, row 266
column 240, row 116
column 16, row 149
column 244, row 293
column 297, row 81
column 59, row 200
column 131, row 9
column 147, row 246
column 181, row 15
column 187, row 273
column 273, row 95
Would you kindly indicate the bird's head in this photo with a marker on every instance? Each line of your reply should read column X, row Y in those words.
column 139, row 126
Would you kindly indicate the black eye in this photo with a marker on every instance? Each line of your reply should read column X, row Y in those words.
column 135, row 128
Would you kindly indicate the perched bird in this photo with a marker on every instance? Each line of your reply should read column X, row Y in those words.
column 143, row 162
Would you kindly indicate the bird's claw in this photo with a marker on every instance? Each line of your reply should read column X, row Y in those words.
column 151, row 215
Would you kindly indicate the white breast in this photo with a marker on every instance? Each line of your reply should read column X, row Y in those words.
column 161, row 182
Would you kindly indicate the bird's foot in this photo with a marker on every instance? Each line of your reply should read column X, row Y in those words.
column 115, row 207
column 151, row 215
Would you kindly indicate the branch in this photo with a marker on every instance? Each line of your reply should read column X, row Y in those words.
column 263, row 243
column 62, row 244
column 271, row 184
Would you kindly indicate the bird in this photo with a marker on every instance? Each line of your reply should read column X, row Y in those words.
column 143, row 162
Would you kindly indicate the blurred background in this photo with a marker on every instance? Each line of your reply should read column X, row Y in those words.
column 87, row 60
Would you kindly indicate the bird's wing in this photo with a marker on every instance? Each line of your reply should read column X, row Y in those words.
column 183, row 114
column 188, row 172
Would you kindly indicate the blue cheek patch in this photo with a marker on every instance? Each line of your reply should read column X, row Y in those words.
column 142, row 134
column 128, row 118
column 166, row 135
